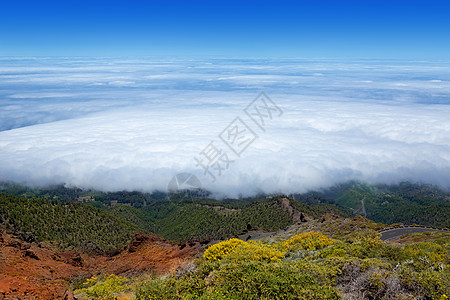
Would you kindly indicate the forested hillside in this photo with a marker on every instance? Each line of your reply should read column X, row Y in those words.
column 404, row 203
column 96, row 226
column 105, row 221
column 66, row 224
column 210, row 219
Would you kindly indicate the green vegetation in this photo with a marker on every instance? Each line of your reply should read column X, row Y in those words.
column 178, row 217
column 328, row 256
column 208, row 219
column 59, row 192
column 97, row 226
column 309, row 265
column 66, row 224
column 104, row 287
column 404, row 203
column 195, row 221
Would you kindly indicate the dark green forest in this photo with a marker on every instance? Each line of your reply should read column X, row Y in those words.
column 105, row 222
column 403, row 203
column 66, row 224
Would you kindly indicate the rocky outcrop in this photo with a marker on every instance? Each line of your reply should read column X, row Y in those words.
column 297, row 216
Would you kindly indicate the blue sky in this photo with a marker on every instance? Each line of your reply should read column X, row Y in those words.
column 363, row 29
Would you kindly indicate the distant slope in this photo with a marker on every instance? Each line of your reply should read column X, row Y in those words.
column 67, row 224
column 181, row 217
column 404, row 203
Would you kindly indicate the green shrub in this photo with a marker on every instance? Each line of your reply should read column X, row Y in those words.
column 262, row 280
column 158, row 289
column 104, row 288
column 240, row 280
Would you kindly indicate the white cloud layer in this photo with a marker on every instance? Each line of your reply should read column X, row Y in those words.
column 114, row 124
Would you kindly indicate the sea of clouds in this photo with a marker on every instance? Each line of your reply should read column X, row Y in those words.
column 134, row 123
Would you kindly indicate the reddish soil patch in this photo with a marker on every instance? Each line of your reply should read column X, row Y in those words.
column 32, row 271
column 148, row 254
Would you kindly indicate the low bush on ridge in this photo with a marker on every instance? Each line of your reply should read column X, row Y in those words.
column 310, row 266
column 238, row 250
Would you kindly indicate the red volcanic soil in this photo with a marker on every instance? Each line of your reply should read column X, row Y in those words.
column 148, row 253
column 32, row 271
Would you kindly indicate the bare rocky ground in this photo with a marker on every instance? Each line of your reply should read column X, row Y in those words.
column 35, row 271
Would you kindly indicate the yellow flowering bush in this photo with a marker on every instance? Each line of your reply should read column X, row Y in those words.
column 220, row 250
column 311, row 265
column 238, row 250
column 104, row 289
column 306, row 241
column 428, row 255
column 368, row 236
column 435, row 284
column 255, row 251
